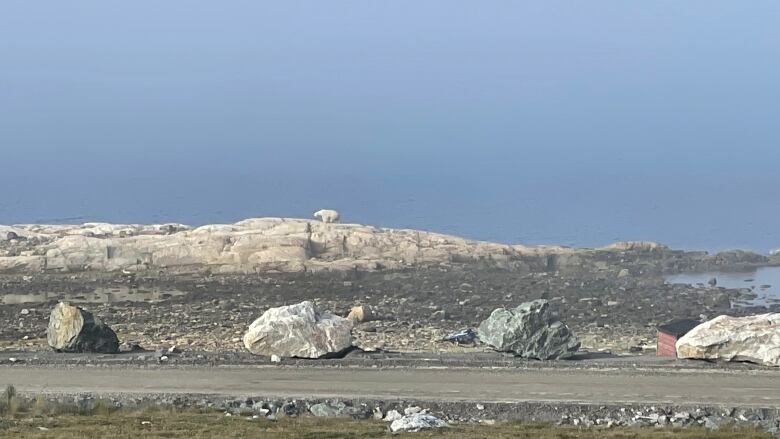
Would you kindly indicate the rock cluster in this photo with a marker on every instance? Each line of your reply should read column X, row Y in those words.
column 752, row 338
column 72, row 329
column 531, row 330
column 298, row 330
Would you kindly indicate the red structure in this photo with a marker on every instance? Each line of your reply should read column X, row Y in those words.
column 669, row 333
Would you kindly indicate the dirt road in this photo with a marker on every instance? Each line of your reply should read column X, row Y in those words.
column 743, row 388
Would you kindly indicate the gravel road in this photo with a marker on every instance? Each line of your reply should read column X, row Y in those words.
column 747, row 388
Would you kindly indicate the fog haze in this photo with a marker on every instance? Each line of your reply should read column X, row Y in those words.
column 547, row 122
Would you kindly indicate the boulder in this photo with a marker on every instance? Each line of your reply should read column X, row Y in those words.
column 416, row 422
column 73, row 329
column 298, row 331
column 531, row 330
column 338, row 409
column 753, row 338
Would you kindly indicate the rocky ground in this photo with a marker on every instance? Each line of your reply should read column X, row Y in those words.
column 199, row 288
column 453, row 413
column 607, row 309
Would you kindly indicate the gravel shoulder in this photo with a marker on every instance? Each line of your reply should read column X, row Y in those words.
column 755, row 388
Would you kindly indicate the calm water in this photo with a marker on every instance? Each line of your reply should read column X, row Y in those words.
column 99, row 295
column 522, row 122
column 764, row 282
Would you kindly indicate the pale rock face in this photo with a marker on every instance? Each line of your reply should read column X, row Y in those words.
column 298, row 331
column 636, row 246
column 254, row 245
column 72, row 329
column 327, row 215
column 753, row 338
column 530, row 331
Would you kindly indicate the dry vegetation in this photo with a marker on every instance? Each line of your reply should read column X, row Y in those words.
column 165, row 424
column 38, row 418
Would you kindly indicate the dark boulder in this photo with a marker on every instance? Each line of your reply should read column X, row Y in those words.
column 72, row 329
column 531, row 330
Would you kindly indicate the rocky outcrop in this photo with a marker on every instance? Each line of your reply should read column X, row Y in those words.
column 72, row 329
column 249, row 246
column 753, row 338
column 298, row 331
column 530, row 330
column 262, row 245
column 642, row 246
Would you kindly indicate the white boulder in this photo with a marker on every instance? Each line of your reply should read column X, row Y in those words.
column 416, row 422
column 753, row 338
column 298, row 331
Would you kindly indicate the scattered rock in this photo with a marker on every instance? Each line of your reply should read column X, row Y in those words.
column 412, row 410
column 753, row 338
column 328, row 410
column 72, row 329
column 338, row 409
column 530, row 331
column 298, row 331
column 416, row 422
column 464, row 336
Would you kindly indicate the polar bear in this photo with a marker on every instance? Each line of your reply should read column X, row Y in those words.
column 327, row 215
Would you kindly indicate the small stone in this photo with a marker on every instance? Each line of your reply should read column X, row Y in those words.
column 412, row 410
column 276, row 359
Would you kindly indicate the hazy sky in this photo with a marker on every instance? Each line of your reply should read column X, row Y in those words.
column 546, row 121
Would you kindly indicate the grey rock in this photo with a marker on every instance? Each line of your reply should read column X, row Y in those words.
column 328, row 409
column 530, row 330
column 416, row 422
column 338, row 409
column 73, row 329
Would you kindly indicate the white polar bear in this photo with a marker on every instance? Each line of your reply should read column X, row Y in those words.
column 327, row 215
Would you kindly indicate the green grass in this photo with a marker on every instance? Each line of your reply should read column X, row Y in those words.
column 172, row 424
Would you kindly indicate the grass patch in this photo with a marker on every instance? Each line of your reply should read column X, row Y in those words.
column 168, row 423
